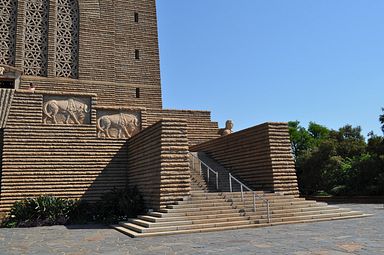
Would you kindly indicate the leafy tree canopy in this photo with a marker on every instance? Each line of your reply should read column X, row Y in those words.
column 338, row 162
column 381, row 118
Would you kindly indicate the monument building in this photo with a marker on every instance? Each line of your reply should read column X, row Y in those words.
column 81, row 113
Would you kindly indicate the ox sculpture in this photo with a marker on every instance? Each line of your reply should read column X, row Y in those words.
column 125, row 124
column 70, row 109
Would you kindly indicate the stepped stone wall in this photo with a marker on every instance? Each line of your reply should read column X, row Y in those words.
column 71, row 161
column 260, row 155
column 61, row 160
column 200, row 128
column 159, row 162
column 6, row 96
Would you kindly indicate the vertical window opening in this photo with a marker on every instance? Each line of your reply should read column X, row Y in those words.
column 137, row 92
column 136, row 17
column 8, row 13
column 36, row 37
column 137, row 54
column 67, row 39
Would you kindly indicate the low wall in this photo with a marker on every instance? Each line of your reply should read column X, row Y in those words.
column 158, row 163
column 261, row 156
column 61, row 160
column 200, row 128
column 6, row 96
column 348, row 200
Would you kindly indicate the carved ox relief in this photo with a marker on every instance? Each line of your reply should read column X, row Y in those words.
column 66, row 110
column 120, row 125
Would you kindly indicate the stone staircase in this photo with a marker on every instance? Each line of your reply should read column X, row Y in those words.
column 206, row 211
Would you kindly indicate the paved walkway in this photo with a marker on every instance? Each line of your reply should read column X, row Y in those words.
column 357, row 236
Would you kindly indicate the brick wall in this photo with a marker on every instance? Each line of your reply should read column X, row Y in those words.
column 159, row 163
column 61, row 160
column 108, row 93
column 108, row 38
column 6, row 96
column 200, row 128
column 260, row 155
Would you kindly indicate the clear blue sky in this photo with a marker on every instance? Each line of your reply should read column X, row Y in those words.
column 254, row 61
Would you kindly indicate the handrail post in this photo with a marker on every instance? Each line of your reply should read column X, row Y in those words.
column 230, row 182
column 242, row 195
column 217, row 181
column 201, row 168
column 208, row 174
column 269, row 216
column 254, row 202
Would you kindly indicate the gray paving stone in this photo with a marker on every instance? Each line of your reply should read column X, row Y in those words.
column 345, row 237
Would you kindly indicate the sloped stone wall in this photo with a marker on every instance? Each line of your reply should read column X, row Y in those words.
column 6, row 96
column 159, row 162
column 200, row 127
column 260, row 155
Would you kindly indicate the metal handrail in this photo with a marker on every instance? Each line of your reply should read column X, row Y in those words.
column 208, row 170
column 242, row 186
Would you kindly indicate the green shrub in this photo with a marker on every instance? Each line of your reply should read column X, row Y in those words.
column 119, row 205
column 340, row 190
column 40, row 211
column 115, row 206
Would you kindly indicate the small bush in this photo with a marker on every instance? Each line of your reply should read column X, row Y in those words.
column 40, row 211
column 119, row 205
column 340, row 190
column 115, row 206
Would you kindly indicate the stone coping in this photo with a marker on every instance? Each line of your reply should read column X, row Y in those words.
column 12, row 68
column 77, row 81
column 126, row 108
column 56, row 93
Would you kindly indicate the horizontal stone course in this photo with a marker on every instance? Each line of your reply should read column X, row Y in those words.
column 159, row 165
column 61, row 160
column 248, row 154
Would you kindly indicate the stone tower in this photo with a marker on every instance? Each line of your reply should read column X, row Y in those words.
column 95, row 121
column 107, row 47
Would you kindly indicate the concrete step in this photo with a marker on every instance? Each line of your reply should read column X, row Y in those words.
column 147, row 224
column 200, row 201
column 166, row 215
column 141, row 229
column 258, row 200
column 203, row 212
column 313, row 217
column 134, row 234
column 263, row 211
column 284, row 214
column 319, row 220
column 197, row 209
column 204, row 195
column 218, row 220
column 190, row 221
column 191, row 217
column 285, row 204
column 199, row 205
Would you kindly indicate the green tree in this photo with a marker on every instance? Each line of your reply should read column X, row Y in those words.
column 336, row 161
column 318, row 132
column 301, row 139
column 381, row 119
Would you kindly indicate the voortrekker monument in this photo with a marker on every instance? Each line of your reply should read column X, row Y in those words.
column 94, row 121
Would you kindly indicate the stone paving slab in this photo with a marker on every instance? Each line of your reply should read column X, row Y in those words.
column 343, row 237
